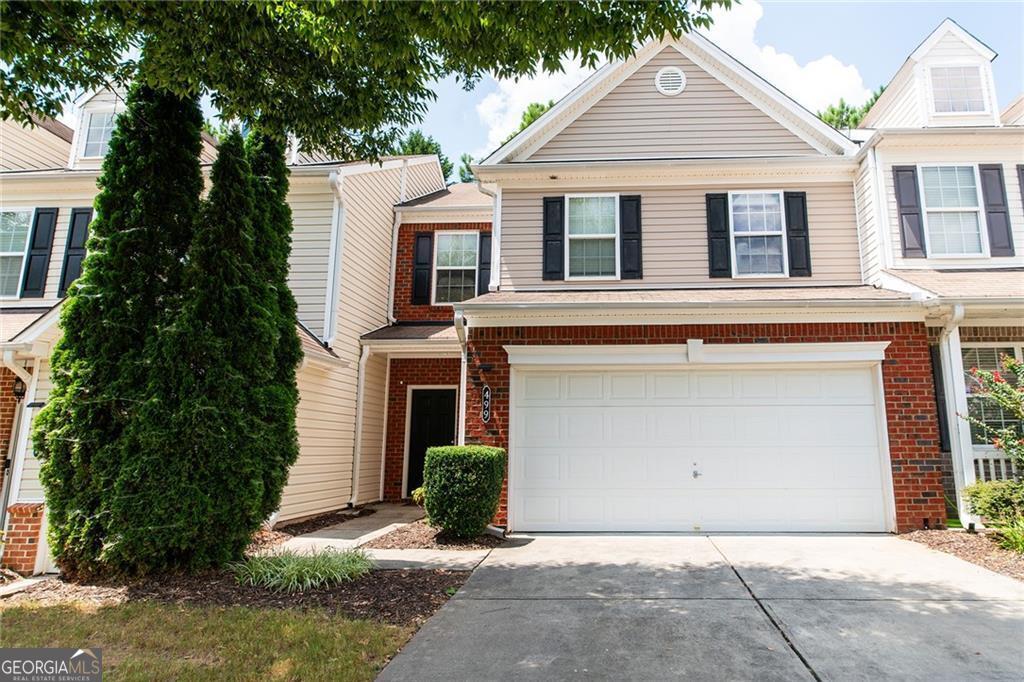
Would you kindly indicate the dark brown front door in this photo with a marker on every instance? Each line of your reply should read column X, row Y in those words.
column 431, row 422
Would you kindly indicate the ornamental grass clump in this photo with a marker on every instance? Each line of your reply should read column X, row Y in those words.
column 463, row 486
column 292, row 572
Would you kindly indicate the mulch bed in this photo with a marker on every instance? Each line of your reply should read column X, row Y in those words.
column 420, row 535
column 978, row 548
column 323, row 521
column 397, row 597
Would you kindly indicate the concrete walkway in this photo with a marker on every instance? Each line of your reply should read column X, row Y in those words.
column 722, row 607
column 386, row 518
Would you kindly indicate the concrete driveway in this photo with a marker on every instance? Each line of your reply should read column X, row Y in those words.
column 722, row 607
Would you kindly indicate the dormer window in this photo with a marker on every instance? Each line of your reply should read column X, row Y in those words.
column 957, row 90
column 97, row 134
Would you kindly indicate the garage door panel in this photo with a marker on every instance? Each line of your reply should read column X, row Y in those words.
column 775, row 450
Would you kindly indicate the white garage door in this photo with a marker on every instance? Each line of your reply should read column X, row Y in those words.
column 683, row 450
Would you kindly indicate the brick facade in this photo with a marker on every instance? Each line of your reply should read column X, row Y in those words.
column 402, row 374
column 906, row 372
column 21, row 540
column 7, row 408
column 405, row 311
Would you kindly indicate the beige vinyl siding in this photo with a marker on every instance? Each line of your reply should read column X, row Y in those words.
column 902, row 102
column 675, row 251
column 372, row 436
column 951, row 48
column 24, row 148
column 312, row 203
column 867, row 227
column 708, row 119
column 1009, row 153
column 423, row 178
column 31, row 490
column 63, row 193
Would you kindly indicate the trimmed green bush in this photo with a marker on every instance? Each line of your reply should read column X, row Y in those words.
column 291, row 572
column 1000, row 502
column 463, row 486
column 1011, row 536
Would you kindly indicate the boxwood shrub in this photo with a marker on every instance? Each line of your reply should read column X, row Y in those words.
column 998, row 502
column 463, row 485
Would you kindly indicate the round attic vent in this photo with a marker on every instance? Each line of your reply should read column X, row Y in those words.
column 670, row 80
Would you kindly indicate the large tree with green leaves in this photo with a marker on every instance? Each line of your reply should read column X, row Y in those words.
column 146, row 210
column 345, row 77
column 532, row 112
column 418, row 143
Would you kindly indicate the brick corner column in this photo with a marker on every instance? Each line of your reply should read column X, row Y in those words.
column 21, row 540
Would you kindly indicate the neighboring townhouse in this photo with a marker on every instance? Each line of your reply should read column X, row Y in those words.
column 939, row 191
column 341, row 254
column 685, row 323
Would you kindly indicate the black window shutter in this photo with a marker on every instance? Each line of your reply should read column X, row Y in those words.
column 74, row 252
column 940, row 398
column 483, row 273
column 719, row 249
column 798, row 238
column 40, row 243
column 631, row 255
column 997, row 211
column 423, row 263
column 554, row 238
column 908, row 205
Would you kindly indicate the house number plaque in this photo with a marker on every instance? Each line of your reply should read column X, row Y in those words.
column 485, row 404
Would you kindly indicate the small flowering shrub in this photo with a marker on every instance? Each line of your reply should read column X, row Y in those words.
column 1009, row 396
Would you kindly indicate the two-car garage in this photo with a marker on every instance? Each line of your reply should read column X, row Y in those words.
column 697, row 440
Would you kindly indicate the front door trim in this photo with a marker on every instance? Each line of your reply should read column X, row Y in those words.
column 408, row 421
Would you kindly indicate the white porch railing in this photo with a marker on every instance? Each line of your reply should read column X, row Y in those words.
column 994, row 468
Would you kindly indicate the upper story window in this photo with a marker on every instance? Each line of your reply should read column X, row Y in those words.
column 758, row 234
column 14, row 229
column 592, row 230
column 99, row 127
column 952, row 211
column 957, row 89
column 455, row 265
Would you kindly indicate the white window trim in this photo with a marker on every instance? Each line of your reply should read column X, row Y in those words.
column 954, row 65
column 785, row 237
column 1018, row 353
column 982, row 218
column 84, row 122
column 618, row 237
column 434, row 268
column 28, row 244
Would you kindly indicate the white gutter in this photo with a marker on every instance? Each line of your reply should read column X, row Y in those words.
column 394, row 245
column 495, row 282
column 357, row 445
column 695, row 305
column 336, row 182
column 462, row 332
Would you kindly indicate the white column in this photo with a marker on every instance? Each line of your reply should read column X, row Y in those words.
column 955, row 388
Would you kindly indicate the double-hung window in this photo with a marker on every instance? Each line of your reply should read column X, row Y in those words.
column 15, row 225
column 980, row 407
column 758, row 234
column 953, row 215
column 592, row 232
column 957, row 90
column 97, row 134
column 455, row 265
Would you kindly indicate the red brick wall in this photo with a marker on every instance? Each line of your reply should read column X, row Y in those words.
column 405, row 311
column 906, row 371
column 402, row 374
column 991, row 334
column 21, row 541
column 7, row 406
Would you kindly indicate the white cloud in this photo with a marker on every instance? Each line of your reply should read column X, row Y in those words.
column 501, row 111
column 815, row 84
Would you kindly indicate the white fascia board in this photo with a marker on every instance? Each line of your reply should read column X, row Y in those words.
column 455, row 216
column 949, row 26
column 44, row 328
column 415, row 348
column 894, row 282
column 695, row 353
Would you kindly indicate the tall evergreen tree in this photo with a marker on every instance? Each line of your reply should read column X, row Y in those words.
column 272, row 223
column 149, row 198
column 195, row 492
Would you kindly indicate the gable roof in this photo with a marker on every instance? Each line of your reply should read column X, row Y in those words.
column 706, row 55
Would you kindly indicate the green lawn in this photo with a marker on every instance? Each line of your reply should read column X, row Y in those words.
column 152, row 641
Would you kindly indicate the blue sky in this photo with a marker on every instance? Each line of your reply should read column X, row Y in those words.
column 821, row 50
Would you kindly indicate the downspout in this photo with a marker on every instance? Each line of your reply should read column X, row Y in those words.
column 461, row 332
column 357, row 446
column 336, row 182
column 394, row 244
column 956, row 394
column 495, row 282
